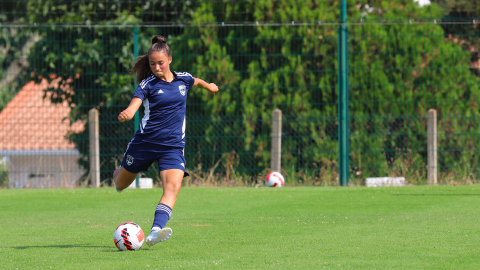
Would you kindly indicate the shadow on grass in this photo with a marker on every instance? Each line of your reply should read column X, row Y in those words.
column 110, row 248
column 60, row 246
column 436, row 194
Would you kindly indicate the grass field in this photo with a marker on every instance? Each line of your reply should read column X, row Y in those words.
column 231, row 228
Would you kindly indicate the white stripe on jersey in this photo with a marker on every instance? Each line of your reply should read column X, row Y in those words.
column 146, row 117
column 183, row 128
column 145, row 81
column 184, row 74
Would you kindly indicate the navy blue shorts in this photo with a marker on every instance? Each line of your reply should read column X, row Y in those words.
column 140, row 155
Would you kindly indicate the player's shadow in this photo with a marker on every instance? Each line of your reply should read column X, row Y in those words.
column 107, row 248
column 60, row 246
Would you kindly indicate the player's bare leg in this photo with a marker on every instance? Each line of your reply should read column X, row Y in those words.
column 123, row 178
column 172, row 181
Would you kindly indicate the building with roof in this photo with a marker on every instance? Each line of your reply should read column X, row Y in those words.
column 33, row 140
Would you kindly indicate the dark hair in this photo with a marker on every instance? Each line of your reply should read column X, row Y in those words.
column 141, row 67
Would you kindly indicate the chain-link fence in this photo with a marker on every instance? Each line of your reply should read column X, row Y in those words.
column 398, row 70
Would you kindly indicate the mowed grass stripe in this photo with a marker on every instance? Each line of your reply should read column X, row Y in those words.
column 231, row 228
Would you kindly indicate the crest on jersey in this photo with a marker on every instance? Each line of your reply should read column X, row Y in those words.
column 182, row 89
column 129, row 160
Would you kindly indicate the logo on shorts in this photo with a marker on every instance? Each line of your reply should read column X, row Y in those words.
column 129, row 160
column 183, row 90
column 182, row 165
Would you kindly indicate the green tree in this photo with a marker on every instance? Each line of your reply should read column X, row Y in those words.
column 398, row 70
column 459, row 9
column 17, row 42
column 92, row 60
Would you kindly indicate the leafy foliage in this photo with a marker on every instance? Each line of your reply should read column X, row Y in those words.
column 93, row 60
column 398, row 70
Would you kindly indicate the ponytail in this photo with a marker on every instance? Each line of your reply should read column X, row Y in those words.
column 141, row 67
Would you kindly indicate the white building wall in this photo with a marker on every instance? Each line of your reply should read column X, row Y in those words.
column 43, row 168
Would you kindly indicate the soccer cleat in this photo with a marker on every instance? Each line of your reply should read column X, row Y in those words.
column 158, row 235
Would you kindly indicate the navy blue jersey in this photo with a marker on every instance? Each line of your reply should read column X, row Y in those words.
column 165, row 105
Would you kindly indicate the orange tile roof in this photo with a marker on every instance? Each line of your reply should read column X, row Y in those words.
column 31, row 122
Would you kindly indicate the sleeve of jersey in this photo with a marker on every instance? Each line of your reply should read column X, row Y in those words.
column 140, row 92
column 190, row 81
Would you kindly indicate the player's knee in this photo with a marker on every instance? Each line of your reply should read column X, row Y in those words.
column 172, row 187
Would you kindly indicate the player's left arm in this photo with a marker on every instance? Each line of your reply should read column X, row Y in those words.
column 211, row 87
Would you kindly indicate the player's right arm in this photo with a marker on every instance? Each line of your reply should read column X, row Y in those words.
column 129, row 112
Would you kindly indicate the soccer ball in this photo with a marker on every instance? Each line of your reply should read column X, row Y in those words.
column 128, row 236
column 274, row 179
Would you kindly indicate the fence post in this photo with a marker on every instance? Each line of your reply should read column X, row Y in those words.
column 93, row 134
column 432, row 147
column 276, row 161
column 136, row 118
column 343, row 100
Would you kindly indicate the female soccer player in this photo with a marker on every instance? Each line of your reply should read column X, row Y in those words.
column 161, row 135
